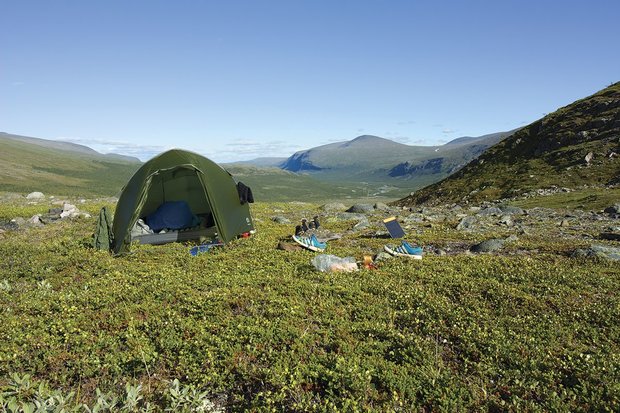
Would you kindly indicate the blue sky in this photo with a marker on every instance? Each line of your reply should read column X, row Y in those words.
column 236, row 80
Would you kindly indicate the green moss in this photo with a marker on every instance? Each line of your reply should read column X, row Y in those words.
column 263, row 330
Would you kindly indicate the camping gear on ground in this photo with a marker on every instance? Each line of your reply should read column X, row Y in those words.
column 310, row 243
column 332, row 263
column 393, row 227
column 177, row 175
column 199, row 249
column 103, row 237
column 404, row 250
column 307, row 225
column 314, row 223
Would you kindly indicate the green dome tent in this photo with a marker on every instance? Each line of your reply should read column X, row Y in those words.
column 178, row 175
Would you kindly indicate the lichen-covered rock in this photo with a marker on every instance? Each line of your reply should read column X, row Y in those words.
column 33, row 196
column 333, row 207
column 361, row 208
column 489, row 245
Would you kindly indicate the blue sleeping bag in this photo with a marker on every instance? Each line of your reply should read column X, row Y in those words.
column 172, row 215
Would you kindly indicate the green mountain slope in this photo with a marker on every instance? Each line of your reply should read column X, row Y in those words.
column 574, row 146
column 374, row 159
column 274, row 184
column 60, row 168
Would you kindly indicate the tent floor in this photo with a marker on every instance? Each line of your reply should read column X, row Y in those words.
column 176, row 236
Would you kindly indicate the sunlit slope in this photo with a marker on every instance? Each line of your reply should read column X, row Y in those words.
column 574, row 146
column 27, row 167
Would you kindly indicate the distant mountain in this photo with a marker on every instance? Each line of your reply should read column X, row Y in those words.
column 375, row 159
column 576, row 145
column 486, row 140
column 264, row 162
column 66, row 146
column 62, row 168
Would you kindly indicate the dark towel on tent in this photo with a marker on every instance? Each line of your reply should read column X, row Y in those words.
column 245, row 193
column 172, row 215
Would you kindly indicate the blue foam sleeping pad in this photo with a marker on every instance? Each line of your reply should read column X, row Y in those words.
column 172, row 215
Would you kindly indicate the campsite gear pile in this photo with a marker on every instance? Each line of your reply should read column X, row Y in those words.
column 306, row 226
column 182, row 196
column 305, row 237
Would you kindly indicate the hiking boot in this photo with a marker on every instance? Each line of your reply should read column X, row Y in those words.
column 304, row 225
column 405, row 250
column 310, row 242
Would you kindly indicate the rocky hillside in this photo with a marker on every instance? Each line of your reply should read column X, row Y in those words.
column 576, row 145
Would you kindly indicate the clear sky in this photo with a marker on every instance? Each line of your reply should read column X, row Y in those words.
column 235, row 80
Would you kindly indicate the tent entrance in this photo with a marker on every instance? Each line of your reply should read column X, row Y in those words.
column 180, row 183
column 176, row 184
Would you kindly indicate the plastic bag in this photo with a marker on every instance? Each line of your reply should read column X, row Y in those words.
column 332, row 263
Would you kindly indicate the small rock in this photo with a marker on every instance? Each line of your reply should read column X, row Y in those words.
column 511, row 210
column 614, row 209
column 381, row 206
column 9, row 226
column 589, row 157
column 35, row 195
column 598, row 251
column 363, row 224
column 489, row 245
column 35, row 220
column 49, row 218
column 610, row 253
column 333, row 207
column 466, row 223
column 281, row 220
column 289, row 246
column 565, row 223
column 490, row 211
column 361, row 208
column 19, row 221
column 506, row 220
column 413, row 219
column 611, row 236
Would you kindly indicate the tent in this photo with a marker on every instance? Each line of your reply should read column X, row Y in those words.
column 177, row 175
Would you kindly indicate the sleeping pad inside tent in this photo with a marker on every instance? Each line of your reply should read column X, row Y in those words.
column 180, row 196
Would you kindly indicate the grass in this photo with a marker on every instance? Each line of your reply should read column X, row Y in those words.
column 258, row 329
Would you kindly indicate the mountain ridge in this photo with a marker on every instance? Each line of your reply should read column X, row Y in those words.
column 373, row 159
column 576, row 145
column 66, row 146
